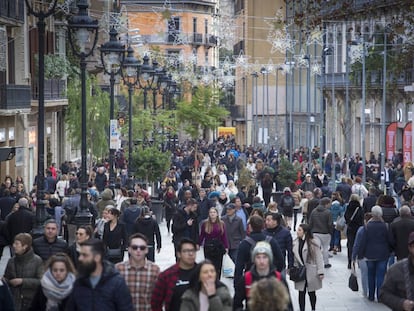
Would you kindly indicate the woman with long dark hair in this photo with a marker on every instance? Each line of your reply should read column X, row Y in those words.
column 170, row 205
column 115, row 237
column 308, row 253
column 354, row 218
column 213, row 237
column 83, row 233
column 206, row 292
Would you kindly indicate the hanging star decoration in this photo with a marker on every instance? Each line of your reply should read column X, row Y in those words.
column 242, row 61
column 64, row 6
column 224, row 27
column 356, row 53
column 316, row 68
column 302, row 60
column 180, row 38
column 113, row 19
column 227, row 65
column 287, row 67
column 315, row 36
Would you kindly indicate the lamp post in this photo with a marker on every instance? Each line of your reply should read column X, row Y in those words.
column 254, row 106
column 81, row 27
column 325, row 52
column 130, row 73
column 146, row 78
column 276, row 101
column 263, row 71
column 40, row 181
column 308, row 108
column 112, row 57
column 361, row 43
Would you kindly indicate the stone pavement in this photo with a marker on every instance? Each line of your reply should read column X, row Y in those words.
column 334, row 296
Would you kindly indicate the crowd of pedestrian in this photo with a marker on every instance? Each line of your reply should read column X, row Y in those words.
column 245, row 204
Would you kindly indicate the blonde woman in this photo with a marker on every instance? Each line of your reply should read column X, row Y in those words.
column 213, row 237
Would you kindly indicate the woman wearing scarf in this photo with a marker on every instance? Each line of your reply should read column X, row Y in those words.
column 56, row 284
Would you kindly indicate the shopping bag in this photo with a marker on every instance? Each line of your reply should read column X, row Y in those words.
column 228, row 266
column 340, row 223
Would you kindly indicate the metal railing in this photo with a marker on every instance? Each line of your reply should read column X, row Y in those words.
column 13, row 96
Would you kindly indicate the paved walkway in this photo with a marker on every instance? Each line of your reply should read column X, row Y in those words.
column 334, row 296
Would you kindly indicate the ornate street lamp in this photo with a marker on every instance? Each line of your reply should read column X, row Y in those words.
column 40, row 181
column 130, row 74
column 146, row 79
column 81, row 28
column 112, row 57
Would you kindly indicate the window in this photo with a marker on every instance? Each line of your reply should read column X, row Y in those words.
column 173, row 28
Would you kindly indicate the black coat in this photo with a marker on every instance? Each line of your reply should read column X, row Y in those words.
column 39, row 302
column 21, row 221
column 181, row 229
column 149, row 227
column 45, row 250
column 399, row 232
column 369, row 202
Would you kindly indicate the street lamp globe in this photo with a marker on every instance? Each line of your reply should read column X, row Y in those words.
column 112, row 53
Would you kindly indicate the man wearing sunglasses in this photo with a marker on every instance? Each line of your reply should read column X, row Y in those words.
column 140, row 274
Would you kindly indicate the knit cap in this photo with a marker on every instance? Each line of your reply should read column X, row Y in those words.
column 262, row 247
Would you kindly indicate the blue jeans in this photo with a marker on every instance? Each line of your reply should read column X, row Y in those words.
column 376, row 273
column 335, row 238
column 362, row 263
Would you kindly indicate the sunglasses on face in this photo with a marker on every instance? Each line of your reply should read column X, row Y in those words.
column 141, row 247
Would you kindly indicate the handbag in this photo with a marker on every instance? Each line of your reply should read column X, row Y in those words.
column 114, row 253
column 340, row 223
column 352, row 281
column 214, row 248
column 228, row 266
column 297, row 273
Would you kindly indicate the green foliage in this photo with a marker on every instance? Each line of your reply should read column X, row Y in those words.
column 245, row 178
column 97, row 116
column 56, row 66
column 150, row 163
column 287, row 173
column 202, row 113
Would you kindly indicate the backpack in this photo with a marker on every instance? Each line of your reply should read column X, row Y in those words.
column 288, row 201
column 248, row 279
column 252, row 245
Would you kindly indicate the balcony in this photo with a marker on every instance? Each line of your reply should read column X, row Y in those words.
column 12, row 10
column 197, row 39
column 210, row 40
column 54, row 89
column 237, row 113
column 374, row 79
column 238, row 47
column 14, row 96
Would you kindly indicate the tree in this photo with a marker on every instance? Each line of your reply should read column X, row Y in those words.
column 97, row 116
column 201, row 113
column 150, row 163
column 287, row 173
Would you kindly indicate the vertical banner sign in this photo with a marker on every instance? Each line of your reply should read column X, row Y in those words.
column 407, row 142
column 390, row 139
column 113, row 134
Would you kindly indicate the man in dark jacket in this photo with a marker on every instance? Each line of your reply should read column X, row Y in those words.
column 243, row 262
column 370, row 200
column 399, row 230
column 99, row 285
column 185, row 223
column 283, row 237
column 6, row 204
column 234, row 230
column 314, row 202
column 345, row 189
column 320, row 222
column 21, row 221
column 49, row 244
column 394, row 289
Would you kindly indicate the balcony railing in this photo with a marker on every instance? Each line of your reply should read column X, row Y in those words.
column 180, row 38
column 374, row 79
column 14, row 96
column 197, row 38
column 54, row 89
column 12, row 9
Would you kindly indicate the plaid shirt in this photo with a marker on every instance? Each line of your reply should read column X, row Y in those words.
column 164, row 288
column 140, row 281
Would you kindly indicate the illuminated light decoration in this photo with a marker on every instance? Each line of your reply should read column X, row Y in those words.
column 315, row 36
column 357, row 52
column 270, row 67
column 64, row 7
column 119, row 21
column 242, row 62
column 316, row 68
column 180, row 39
column 302, row 60
column 192, row 58
column 227, row 65
column 224, row 27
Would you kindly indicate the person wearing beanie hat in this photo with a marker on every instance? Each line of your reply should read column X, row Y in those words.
column 262, row 268
column 262, row 247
